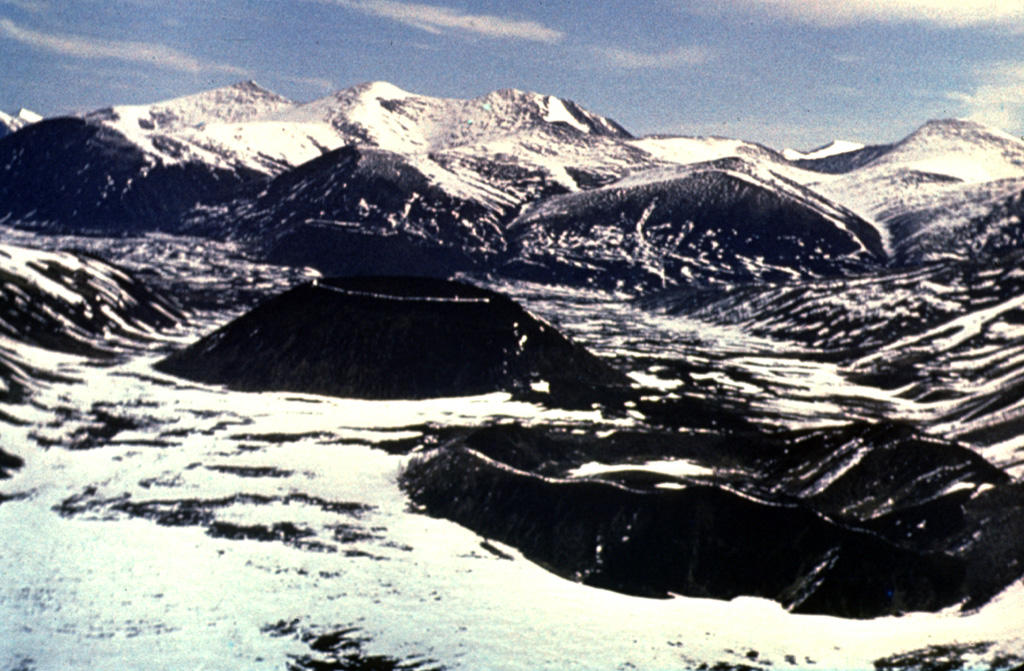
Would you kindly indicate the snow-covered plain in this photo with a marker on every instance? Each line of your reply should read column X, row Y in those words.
column 226, row 530
column 86, row 585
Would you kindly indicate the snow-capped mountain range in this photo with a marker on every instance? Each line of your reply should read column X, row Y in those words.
column 446, row 185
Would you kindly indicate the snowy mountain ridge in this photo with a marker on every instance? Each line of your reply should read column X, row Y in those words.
column 834, row 148
column 469, row 168
column 238, row 103
column 931, row 189
column 386, row 116
column 968, row 151
column 248, row 125
column 10, row 123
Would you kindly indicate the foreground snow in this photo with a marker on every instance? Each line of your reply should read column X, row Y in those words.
column 94, row 587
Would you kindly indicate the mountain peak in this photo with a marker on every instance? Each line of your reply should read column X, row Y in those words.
column 251, row 86
column 948, row 150
column 236, row 103
column 552, row 109
column 380, row 89
column 959, row 130
column 951, row 124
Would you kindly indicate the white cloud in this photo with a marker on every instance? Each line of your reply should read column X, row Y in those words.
column 92, row 48
column 435, row 19
column 641, row 60
column 998, row 99
column 944, row 13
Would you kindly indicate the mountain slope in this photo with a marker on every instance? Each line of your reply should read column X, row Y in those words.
column 928, row 188
column 73, row 303
column 67, row 173
column 832, row 149
column 720, row 221
column 363, row 210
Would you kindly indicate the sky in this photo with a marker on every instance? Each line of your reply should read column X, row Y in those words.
column 786, row 73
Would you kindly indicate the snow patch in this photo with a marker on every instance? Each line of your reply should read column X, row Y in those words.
column 832, row 149
column 558, row 112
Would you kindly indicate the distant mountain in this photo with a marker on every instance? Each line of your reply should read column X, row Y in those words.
column 240, row 103
column 385, row 116
column 965, row 150
column 945, row 149
column 689, row 150
column 72, row 174
column 226, row 129
column 423, row 185
column 724, row 220
column 142, row 167
column 24, row 117
column 928, row 188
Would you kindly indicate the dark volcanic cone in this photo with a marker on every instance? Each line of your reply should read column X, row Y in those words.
column 389, row 337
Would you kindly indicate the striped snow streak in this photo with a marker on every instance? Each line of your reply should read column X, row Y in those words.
column 70, row 302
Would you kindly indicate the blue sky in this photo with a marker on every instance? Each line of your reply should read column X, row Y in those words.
column 788, row 73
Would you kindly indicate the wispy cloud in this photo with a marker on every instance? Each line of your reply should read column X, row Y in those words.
column 436, row 19
column 650, row 60
column 92, row 48
column 312, row 82
column 943, row 13
column 850, row 59
column 843, row 91
column 998, row 99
